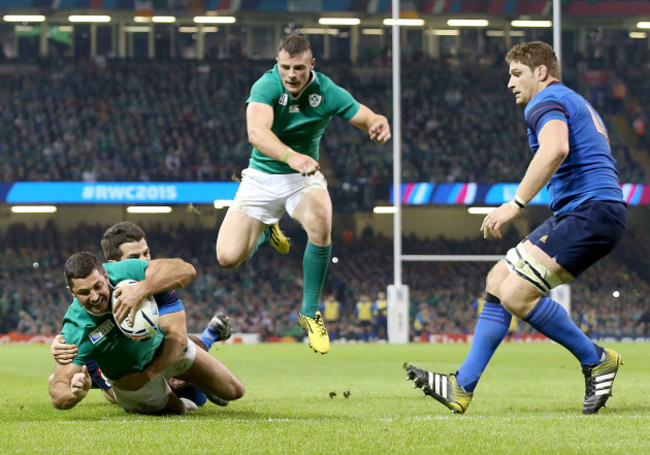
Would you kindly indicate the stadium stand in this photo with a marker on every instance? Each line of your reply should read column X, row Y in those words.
column 118, row 120
column 33, row 297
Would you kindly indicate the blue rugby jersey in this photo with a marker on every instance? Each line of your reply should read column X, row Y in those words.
column 589, row 171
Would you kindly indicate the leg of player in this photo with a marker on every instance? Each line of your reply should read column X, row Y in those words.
column 491, row 329
column 599, row 365
column 212, row 376
column 219, row 329
column 238, row 238
column 314, row 213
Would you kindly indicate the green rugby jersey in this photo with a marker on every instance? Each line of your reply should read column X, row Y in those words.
column 299, row 122
column 97, row 336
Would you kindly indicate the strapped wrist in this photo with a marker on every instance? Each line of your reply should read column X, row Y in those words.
column 288, row 153
column 519, row 202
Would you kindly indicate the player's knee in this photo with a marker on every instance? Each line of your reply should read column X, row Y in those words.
column 236, row 389
column 228, row 260
column 239, row 390
column 514, row 300
column 495, row 277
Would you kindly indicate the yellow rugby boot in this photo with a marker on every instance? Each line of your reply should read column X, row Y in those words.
column 278, row 240
column 319, row 339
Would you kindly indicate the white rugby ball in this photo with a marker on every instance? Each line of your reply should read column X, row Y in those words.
column 146, row 317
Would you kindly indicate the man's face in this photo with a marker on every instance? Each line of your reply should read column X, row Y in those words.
column 524, row 82
column 93, row 292
column 135, row 250
column 295, row 71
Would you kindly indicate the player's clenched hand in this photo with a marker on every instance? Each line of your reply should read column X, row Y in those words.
column 63, row 353
column 127, row 301
column 493, row 222
column 304, row 164
column 379, row 131
column 80, row 383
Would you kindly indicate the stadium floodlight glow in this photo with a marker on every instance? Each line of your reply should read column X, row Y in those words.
column 517, row 33
column 638, row 35
column 221, row 203
column 643, row 24
column 95, row 18
column 142, row 19
column 149, row 209
column 23, row 18
column 372, row 31
column 386, row 209
column 163, row 19
column 33, row 209
column 480, row 210
column 191, row 29
column 468, row 22
column 532, row 24
column 443, row 32
column 404, row 22
column 319, row 31
column 137, row 28
column 215, row 19
column 339, row 21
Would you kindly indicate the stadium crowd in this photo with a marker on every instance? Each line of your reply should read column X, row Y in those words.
column 258, row 299
column 124, row 120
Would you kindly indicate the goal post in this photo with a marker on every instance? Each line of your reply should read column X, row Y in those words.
column 398, row 313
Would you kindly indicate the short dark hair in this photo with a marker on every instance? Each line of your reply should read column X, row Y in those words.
column 116, row 235
column 534, row 54
column 294, row 45
column 81, row 265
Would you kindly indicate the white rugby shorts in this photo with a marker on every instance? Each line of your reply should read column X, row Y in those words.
column 265, row 197
column 153, row 396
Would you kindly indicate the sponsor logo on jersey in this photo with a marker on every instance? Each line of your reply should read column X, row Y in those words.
column 315, row 99
column 294, row 109
column 101, row 331
column 284, row 99
column 543, row 238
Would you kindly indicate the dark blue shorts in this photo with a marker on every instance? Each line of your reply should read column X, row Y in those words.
column 579, row 238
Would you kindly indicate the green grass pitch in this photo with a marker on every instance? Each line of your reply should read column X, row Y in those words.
column 528, row 402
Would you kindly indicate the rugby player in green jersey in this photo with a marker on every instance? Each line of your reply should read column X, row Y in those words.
column 289, row 108
column 126, row 240
column 137, row 373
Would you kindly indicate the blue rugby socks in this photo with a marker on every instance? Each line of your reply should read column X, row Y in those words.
column 491, row 328
column 550, row 319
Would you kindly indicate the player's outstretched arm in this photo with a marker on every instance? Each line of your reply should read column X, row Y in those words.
column 63, row 353
column 69, row 385
column 374, row 124
column 161, row 275
column 259, row 120
column 553, row 149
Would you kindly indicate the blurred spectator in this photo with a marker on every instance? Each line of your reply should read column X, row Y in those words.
column 421, row 322
column 363, row 314
column 380, row 317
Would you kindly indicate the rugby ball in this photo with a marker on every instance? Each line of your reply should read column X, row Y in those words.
column 146, row 317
